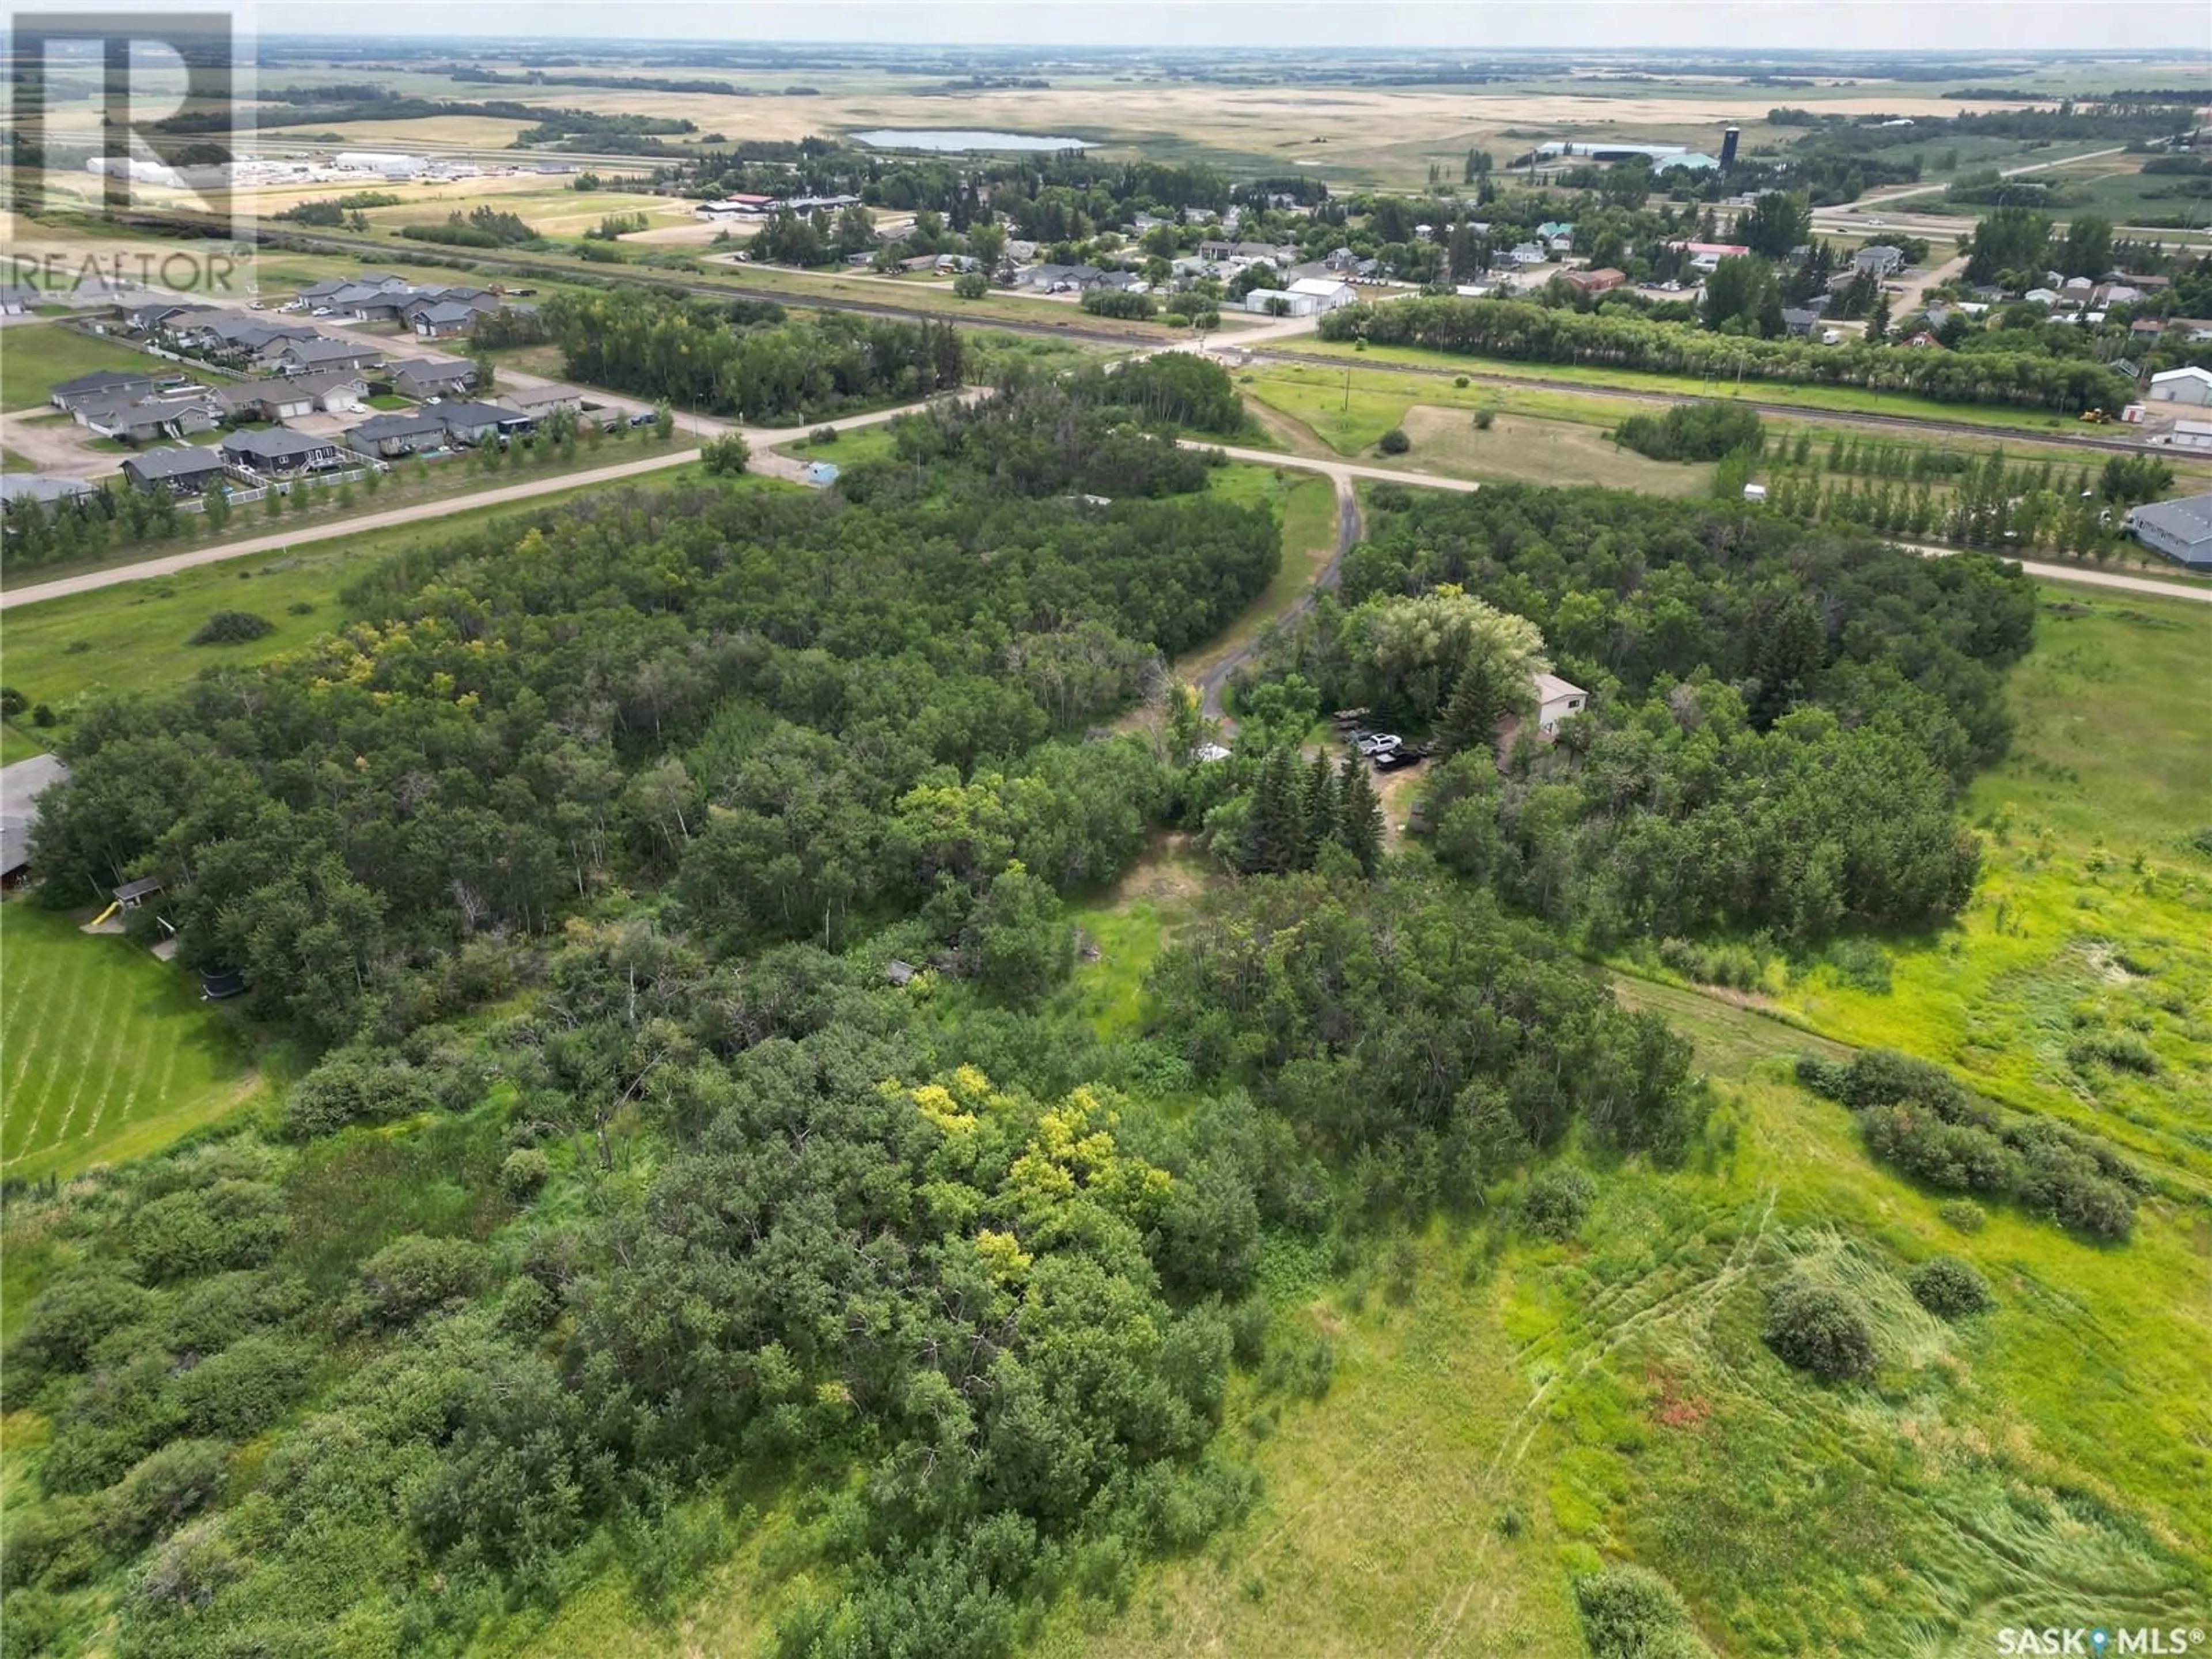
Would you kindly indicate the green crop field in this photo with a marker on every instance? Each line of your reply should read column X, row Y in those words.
column 107, row 1053
column 34, row 356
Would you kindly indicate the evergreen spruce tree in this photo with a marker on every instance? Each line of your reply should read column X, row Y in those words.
column 1319, row 804
column 1274, row 830
column 1484, row 695
column 1359, row 815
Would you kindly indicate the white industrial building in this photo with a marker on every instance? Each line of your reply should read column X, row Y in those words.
column 2182, row 385
column 2182, row 530
column 1327, row 293
column 1282, row 302
column 386, row 163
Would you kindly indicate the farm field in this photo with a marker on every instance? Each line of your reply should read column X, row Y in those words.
column 108, row 1053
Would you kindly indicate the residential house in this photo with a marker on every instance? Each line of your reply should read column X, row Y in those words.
column 2043, row 296
column 432, row 377
column 1527, row 253
column 142, row 420
column 2192, row 329
column 2181, row 530
column 21, row 786
column 303, row 356
column 1557, row 699
column 278, row 451
column 1603, row 280
column 2195, row 435
column 404, row 432
column 284, row 398
column 1879, row 259
column 2182, row 385
column 2146, row 328
column 472, row 423
column 444, row 319
column 102, row 385
column 1061, row 279
column 1341, row 260
column 185, row 471
column 538, row 402
column 46, row 488
column 1799, row 321
column 1557, row 234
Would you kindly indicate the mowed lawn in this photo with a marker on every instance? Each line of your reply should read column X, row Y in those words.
column 105, row 1053
column 34, row 356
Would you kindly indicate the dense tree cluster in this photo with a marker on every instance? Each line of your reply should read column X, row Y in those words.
column 1527, row 332
column 799, row 712
column 1694, row 432
column 1780, row 721
column 729, row 361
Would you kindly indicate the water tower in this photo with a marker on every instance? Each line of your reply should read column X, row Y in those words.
column 1728, row 146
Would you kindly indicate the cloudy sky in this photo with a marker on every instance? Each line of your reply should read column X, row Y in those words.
column 1852, row 25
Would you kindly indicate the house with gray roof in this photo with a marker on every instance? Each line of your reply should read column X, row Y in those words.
column 100, row 384
column 300, row 357
column 432, row 377
column 46, row 488
column 406, row 432
column 276, row 452
column 21, row 786
column 187, row 470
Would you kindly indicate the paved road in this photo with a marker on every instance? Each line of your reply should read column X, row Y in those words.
column 761, row 439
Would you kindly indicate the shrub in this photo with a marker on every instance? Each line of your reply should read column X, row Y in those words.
column 231, row 1223
column 1963, row 1214
column 412, row 1276
column 2125, row 1051
column 12, row 702
column 1819, row 1330
column 1632, row 1613
column 237, row 1393
column 1557, row 1201
column 69, row 1317
column 353, row 1086
column 820, row 436
column 1862, row 964
column 725, row 457
column 1394, row 442
column 189, row 1570
column 1484, row 418
column 1950, row 1288
column 163, row 1488
column 55, row 1541
column 1460, row 380
column 524, row 1173
column 232, row 627
column 971, row 285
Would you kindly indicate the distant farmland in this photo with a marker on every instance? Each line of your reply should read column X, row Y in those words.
column 105, row 1053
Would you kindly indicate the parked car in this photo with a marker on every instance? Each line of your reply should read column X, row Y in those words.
column 1379, row 743
column 643, row 420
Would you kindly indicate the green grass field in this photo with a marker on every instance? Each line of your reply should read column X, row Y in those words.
column 1843, row 400
column 2094, row 916
column 107, row 1053
column 34, row 356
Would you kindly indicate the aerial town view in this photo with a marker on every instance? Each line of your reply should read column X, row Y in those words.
column 1024, row 831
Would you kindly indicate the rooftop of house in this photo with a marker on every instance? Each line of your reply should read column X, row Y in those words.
column 273, row 444
column 102, row 379
column 184, row 462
